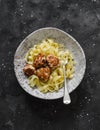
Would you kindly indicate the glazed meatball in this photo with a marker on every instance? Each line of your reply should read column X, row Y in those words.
column 29, row 70
column 39, row 61
column 43, row 73
column 53, row 61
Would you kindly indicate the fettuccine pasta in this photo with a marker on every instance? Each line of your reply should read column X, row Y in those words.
column 56, row 79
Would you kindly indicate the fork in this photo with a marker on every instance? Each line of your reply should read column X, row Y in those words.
column 66, row 98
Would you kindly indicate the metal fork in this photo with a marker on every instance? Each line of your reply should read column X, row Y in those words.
column 66, row 98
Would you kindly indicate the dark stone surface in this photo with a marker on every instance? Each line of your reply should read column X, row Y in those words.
column 20, row 111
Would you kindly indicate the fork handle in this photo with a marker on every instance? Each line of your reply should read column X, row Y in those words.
column 66, row 98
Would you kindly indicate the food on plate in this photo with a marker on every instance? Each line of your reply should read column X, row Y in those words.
column 29, row 70
column 39, row 61
column 44, row 68
column 43, row 73
column 53, row 61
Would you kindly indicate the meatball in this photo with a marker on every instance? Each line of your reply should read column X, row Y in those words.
column 53, row 61
column 40, row 61
column 43, row 73
column 29, row 70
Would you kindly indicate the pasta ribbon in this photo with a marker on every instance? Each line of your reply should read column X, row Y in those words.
column 56, row 79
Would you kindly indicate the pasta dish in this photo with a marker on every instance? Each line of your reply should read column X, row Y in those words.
column 43, row 65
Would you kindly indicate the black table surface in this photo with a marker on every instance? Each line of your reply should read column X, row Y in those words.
column 20, row 111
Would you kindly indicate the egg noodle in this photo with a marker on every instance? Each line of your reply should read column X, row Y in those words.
column 56, row 79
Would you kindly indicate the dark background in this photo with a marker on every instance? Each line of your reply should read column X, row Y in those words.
column 20, row 111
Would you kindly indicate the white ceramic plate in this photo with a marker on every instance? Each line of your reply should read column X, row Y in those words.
column 60, row 37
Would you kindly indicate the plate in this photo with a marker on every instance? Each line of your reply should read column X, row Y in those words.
column 60, row 37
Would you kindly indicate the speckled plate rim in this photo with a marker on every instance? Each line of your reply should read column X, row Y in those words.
column 68, row 36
